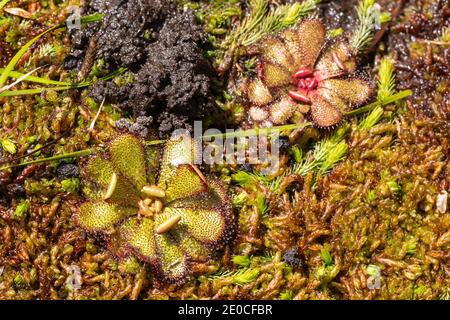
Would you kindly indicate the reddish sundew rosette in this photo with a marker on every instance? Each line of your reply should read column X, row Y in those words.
column 299, row 72
column 170, row 221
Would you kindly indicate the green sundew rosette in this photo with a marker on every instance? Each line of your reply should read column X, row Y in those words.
column 206, row 222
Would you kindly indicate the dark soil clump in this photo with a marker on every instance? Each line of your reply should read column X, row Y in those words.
column 140, row 127
column 423, row 68
column 5, row 53
column 120, row 37
column 66, row 171
column 292, row 258
column 163, row 48
column 340, row 14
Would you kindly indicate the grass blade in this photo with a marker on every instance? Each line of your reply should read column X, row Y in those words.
column 255, row 132
column 12, row 63
column 35, row 79
column 395, row 97
column 19, row 80
column 61, row 88
column 85, row 152
column 92, row 18
column 3, row 3
column 75, row 154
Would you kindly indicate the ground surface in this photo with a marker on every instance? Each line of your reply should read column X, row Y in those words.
column 317, row 238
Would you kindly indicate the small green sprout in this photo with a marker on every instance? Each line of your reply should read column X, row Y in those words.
column 8, row 145
column 245, row 179
column 246, row 276
column 394, row 187
column 287, row 295
column 411, row 246
column 369, row 17
column 326, row 255
column 371, row 196
column 21, row 210
column 419, row 290
column 71, row 185
column 68, row 249
column 18, row 280
column 333, row 33
column 241, row 261
column 130, row 265
column 386, row 79
column 445, row 294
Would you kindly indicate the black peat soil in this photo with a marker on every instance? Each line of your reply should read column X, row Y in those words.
column 422, row 69
column 163, row 47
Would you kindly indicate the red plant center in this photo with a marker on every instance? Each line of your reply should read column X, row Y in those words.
column 306, row 82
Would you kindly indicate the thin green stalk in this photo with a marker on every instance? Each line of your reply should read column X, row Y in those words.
column 372, row 118
column 19, row 80
column 395, row 97
column 258, row 131
column 35, row 79
column 244, row 133
column 60, row 88
column 12, row 63
column 75, row 154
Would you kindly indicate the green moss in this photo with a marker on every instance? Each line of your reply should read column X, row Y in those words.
column 394, row 187
column 130, row 265
column 287, row 295
column 8, row 145
column 19, row 281
column 326, row 255
column 245, row 276
column 261, row 204
column 68, row 249
column 333, row 33
column 241, row 261
column 22, row 210
column 71, row 185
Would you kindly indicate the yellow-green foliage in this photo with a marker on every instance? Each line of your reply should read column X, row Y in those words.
column 114, row 181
